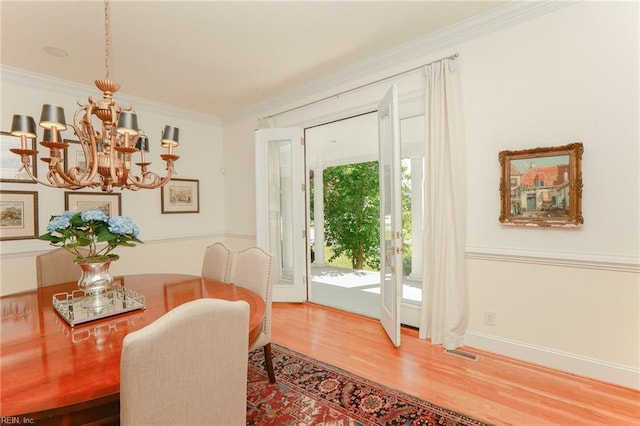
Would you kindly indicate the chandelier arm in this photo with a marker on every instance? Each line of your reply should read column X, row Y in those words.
column 154, row 180
column 88, row 144
column 123, row 172
column 58, row 179
column 87, row 141
column 25, row 164
column 53, row 173
column 65, row 179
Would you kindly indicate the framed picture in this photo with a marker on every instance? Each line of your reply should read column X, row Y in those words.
column 79, row 201
column 180, row 196
column 18, row 215
column 542, row 186
column 74, row 156
column 10, row 162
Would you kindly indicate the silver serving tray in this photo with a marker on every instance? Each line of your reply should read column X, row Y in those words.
column 70, row 305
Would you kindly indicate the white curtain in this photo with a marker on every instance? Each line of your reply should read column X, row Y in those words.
column 444, row 313
column 266, row 123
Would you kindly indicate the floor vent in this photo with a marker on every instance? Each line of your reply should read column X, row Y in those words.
column 462, row 354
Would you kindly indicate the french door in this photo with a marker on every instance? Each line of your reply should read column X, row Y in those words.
column 281, row 212
column 389, row 164
column 280, row 208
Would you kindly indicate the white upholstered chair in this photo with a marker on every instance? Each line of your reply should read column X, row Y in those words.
column 189, row 367
column 57, row 266
column 216, row 264
column 254, row 270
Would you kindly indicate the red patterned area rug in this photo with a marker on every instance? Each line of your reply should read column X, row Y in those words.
column 310, row 392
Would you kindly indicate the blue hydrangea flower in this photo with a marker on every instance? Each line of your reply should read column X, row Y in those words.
column 94, row 215
column 59, row 223
column 94, row 230
column 123, row 225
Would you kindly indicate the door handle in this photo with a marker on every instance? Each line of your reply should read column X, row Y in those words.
column 388, row 255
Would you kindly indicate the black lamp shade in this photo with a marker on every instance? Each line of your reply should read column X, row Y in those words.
column 143, row 143
column 49, row 135
column 170, row 136
column 52, row 117
column 128, row 123
column 23, row 125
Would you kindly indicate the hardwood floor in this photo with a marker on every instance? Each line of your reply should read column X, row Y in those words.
column 494, row 389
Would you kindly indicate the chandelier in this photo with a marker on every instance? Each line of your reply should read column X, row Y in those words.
column 108, row 148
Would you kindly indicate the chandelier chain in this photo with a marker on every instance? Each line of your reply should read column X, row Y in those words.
column 107, row 40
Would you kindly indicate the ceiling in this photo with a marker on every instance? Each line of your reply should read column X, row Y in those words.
column 214, row 57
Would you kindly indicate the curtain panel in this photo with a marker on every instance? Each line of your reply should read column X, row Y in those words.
column 444, row 314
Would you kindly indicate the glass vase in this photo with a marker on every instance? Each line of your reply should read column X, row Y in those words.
column 95, row 281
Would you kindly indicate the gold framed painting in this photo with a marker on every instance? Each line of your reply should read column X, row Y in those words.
column 180, row 196
column 18, row 215
column 542, row 186
column 80, row 201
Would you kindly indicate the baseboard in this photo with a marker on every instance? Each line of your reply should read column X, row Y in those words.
column 574, row 364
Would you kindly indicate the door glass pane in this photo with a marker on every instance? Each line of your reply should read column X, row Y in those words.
column 280, row 201
column 412, row 146
column 386, row 205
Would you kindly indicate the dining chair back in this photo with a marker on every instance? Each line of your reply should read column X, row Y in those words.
column 216, row 264
column 189, row 367
column 254, row 271
column 57, row 266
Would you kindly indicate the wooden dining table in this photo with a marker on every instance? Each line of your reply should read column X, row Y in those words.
column 55, row 373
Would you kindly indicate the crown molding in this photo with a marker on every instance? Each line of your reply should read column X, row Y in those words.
column 49, row 83
column 419, row 49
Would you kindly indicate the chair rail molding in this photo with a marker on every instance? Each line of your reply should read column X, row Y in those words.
column 603, row 261
column 37, row 247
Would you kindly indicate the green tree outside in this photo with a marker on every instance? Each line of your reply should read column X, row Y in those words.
column 352, row 215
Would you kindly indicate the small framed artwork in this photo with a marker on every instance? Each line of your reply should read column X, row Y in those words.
column 79, row 201
column 74, row 156
column 18, row 215
column 10, row 163
column 180, row 196
column 542, row 186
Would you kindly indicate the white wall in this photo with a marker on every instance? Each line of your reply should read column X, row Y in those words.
column 239, row 177
column 566, row 298
column 173, row 242
column 569, row 76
